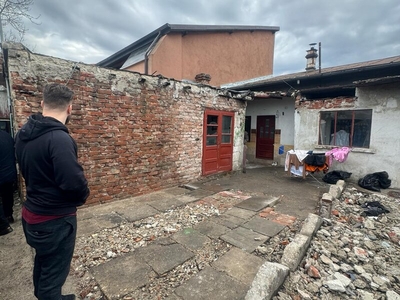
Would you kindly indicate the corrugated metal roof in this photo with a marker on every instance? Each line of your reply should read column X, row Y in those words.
column 136, row 56
column 118, row 59
column 315, row 73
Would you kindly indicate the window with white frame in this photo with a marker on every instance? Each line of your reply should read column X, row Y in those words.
column 350, row 128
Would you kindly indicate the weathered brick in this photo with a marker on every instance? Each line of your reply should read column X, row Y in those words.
column 131, row 140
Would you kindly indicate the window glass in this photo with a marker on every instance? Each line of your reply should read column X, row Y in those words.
column 345, row 128
column 362, row 128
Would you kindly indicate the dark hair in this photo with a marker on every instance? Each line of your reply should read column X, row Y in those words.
column 57, row 96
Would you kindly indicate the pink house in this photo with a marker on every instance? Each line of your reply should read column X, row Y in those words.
column 219, row 53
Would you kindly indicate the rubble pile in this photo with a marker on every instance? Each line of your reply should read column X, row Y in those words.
column 354, row 255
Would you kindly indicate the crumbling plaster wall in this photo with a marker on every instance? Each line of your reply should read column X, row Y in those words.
column 135, row 133
column 384, row 100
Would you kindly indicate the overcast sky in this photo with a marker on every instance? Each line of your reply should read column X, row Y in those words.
column 349, row 30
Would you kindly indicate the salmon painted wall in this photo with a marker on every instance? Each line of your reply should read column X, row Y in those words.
column 227, row 57
column 139, row 67
column 166, row 57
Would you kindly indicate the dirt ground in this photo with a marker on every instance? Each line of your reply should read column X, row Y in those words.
column 297, row 197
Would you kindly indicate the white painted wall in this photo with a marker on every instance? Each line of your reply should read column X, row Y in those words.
column 238, row 144
column 285, row 122
column 383, row 154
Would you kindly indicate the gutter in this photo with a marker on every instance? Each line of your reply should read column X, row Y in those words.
column 146, row 56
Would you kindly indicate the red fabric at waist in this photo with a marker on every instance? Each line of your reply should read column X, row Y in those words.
column 32, row 218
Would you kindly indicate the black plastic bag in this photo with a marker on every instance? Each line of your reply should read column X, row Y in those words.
column 333, row 176
column 375, row 181
column 374, row 208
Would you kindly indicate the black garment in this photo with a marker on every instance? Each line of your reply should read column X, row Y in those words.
column 7, row 198
column 316, row 159
column 8, row 172
column 3, row 221
column 8, row 169
column 53, row 239
column 47, row 156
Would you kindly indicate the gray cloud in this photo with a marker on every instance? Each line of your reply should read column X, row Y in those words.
column 350, row 31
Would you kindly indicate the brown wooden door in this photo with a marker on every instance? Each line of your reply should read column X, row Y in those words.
column 265, row 137
column 217, row 141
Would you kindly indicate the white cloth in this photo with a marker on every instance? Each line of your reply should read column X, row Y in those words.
column 301, row 154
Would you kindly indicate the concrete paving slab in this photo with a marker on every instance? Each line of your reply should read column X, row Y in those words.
column 239, row 264
column 176, row 191
column 163, row 258
column 257, row 203
column 228, row 220
column 187, row 198
column 191, row 238
column 211, row 284
column 165, row 203
column 240, row 213
column 211, row 229
column 216, row 188
column 244, row 239
column 200, row 193
column 122, row 275
column 106, row 208
column 89, row 226
column 137, row 211
column 264, row 226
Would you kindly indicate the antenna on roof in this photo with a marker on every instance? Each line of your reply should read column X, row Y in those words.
column 319, row 58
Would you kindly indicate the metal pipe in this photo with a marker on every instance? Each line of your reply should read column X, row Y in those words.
column 319, row 57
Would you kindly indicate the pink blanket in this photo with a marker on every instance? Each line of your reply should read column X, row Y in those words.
column 339, row 154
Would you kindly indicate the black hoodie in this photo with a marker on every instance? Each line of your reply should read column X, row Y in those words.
column 47, row 156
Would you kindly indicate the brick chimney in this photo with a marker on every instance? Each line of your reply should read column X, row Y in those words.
column 311, row 58
column 203, row 78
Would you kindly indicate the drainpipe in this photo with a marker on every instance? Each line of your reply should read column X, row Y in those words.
column 146, row 56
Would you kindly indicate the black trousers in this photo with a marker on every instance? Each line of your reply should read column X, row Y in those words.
column 7, row 197
column 3, row 221
column 54, row 243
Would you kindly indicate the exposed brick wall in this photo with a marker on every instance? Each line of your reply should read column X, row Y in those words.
column 134, row 136
column 327, row 103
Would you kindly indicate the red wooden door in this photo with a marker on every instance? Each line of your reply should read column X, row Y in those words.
column 217, row 141
column 265, row 137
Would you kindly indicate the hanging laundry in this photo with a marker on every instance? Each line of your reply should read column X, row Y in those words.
column 338, row 154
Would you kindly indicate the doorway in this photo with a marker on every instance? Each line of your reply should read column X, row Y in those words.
column 217, row 141
column 265, row 137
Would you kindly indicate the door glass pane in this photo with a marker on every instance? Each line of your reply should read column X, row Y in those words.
column 212, row 125
column 226, row 129
column 226, row 124
column 266, row 129
column 211, row 140
column 226, row 139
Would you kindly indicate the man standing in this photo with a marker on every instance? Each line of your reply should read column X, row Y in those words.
column 8, row 176
column 55, row 186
